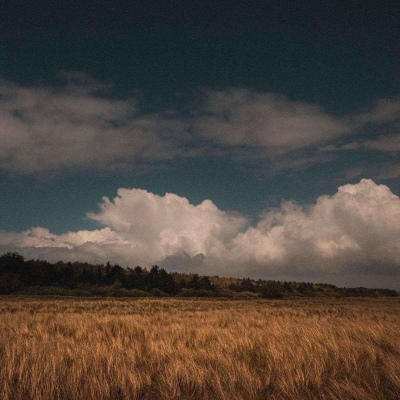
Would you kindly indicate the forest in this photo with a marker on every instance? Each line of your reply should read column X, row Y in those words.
column 39, row 277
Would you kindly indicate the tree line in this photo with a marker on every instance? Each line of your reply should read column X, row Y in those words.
column 18, row 275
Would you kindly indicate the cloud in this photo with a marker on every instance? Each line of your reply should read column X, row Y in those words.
column 347, row 146
column 42, row 238
column 289, row 133
column 161, row 226
column 389, row 143
column 351, row 237
column 382, row 119
column 390, row 171
column 241, row 117
column 75, row 125
column 385, row 166
column 358, row 226
column 80, row 125
column 381, row 111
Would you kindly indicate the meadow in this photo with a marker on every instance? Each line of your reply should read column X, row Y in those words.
column 88, row 348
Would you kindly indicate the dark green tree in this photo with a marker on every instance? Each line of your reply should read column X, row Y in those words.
column 272, row 290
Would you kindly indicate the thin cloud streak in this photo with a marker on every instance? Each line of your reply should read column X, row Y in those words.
column 387, row 143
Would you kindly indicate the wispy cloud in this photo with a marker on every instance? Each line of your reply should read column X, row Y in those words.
column 337, row 147
column 381, row 111
column 388, row 143
column 241, row 117
column 354, row 233
column 75, row 125
column 80, row 125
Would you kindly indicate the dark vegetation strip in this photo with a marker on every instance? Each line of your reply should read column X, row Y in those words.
column 39, row 277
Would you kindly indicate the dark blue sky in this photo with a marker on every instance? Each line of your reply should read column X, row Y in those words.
column 340, row 57
column 247, row 104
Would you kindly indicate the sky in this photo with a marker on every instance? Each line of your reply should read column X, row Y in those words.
column 247, row 139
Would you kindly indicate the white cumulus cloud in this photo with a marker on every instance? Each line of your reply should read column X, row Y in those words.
column 352, row 237
column 359, row 225
column 161, row 226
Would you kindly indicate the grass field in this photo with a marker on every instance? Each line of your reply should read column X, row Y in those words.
column 74, row 348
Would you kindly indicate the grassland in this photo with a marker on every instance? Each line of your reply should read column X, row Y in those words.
column 73, row 348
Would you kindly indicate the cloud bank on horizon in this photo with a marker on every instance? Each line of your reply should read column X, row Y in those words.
column 79, row 125
column 350, row 238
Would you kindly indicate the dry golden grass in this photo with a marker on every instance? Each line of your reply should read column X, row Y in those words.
column 199, row 349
